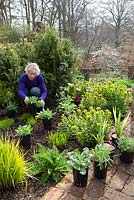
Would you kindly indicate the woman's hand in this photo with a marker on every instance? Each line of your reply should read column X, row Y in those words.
column 43, row 103
column 26, row 100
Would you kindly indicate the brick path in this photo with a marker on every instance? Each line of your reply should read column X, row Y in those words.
column 119, row 184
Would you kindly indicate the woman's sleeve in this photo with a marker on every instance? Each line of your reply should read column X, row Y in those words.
column 21, row 88
column 43, row 88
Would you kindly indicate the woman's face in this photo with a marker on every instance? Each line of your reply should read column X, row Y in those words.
column 31, row 74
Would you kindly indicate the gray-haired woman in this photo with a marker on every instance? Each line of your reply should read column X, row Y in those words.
column 31, row 83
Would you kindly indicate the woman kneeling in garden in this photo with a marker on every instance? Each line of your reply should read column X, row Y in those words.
column 31, row 83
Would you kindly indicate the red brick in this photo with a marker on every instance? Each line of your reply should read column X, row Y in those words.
column 112, row 194
column 129, row 188
column 69, row 197
column 94, row 190
column 53, row 194
column 118, row 180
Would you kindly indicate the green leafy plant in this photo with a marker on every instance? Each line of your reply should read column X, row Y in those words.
column 13, row 167
column 93, row 127
column 120, row 126
column 33, row 100
column 24, row 130
column 102, row 132
column 51, row 50
column 101, row 154
column 80, row 160
column 28, row 119
column 39, row 103
column 31, row 121
column 126, row 143
column 45, row 114
column 12, row 106
column 50, row 164
column 57, row 139
column 25, row 117
column 66, row 105
column 5, row 124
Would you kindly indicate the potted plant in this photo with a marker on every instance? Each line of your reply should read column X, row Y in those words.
column 101, row 157
column 32, row 105
column 126, row 146
column 80, row 162
column 39, row 105
column 46, row 116
column 119, row 126
column 12, row 107
column 24, row 133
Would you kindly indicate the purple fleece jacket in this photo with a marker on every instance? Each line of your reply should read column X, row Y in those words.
column 38, row 81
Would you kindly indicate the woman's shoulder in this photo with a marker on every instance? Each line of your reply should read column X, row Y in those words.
column 23, row 76
column 40, row 77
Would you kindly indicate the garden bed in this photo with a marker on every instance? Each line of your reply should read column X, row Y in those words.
column 35, row 189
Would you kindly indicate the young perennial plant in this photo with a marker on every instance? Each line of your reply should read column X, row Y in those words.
column 45, row 114
column 80, row 160
column 126, row 143
column 57, row 139
column 66, row 105
column 24, row 130
column 12, row 106
column 101, row 154
column 6, row 124
column 120, row 126
column 50, row 164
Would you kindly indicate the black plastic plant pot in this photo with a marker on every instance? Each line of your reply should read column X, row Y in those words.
column 79, row 179
column 127, row 157
column 99, row 173
column 25, row 142
column 11, row 113
column 32, row 109
column 39, row 109
column 47, row 124
column 114, row 140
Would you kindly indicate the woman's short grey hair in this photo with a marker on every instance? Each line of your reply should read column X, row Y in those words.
column 31, row 67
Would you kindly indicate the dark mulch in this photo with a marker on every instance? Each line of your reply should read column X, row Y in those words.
column 35, row 189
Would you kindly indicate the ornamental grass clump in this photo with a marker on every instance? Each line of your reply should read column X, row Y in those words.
column 118, row 124
column 13, row 168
